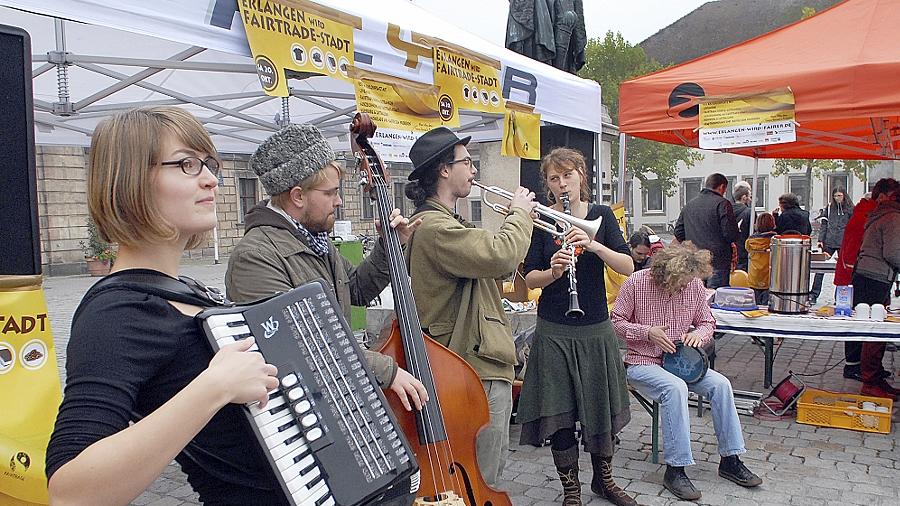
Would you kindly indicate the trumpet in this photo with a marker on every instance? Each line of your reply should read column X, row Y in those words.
column 574, row 310
column 565, row 221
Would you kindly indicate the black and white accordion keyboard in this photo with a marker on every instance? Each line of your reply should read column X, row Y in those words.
column 327, row 431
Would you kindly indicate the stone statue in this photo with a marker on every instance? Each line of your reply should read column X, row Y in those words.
column 549, row 31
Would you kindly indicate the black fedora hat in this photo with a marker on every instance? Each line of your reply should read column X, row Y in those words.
column 430, row 147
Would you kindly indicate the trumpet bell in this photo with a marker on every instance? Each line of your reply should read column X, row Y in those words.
column 590, row 227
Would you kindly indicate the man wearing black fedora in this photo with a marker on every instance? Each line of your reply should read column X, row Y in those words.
column 453, row 268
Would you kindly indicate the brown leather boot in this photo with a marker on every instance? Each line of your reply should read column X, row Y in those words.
column 567, row 468
column 603, row 485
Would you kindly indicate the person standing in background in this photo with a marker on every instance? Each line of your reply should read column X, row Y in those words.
column 789, row 216
column 843, row 271
column 759, row 249
column 877, row 266
column 744, row 216
column 708, row 221
column 831, row 232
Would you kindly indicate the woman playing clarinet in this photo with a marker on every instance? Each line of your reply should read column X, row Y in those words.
column 575, row 372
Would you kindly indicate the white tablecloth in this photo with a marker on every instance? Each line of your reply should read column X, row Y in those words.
column 806, row 327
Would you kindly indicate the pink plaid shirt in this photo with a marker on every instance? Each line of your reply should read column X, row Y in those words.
column 641, row 304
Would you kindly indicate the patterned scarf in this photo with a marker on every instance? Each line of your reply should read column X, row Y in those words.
column 317, row 242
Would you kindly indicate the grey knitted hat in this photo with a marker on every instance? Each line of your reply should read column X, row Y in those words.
column 289, row 156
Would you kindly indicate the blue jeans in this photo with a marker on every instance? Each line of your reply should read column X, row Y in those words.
column 720, row 277
column 672, row 394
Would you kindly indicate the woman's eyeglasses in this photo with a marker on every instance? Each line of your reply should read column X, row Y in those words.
column 192, row 165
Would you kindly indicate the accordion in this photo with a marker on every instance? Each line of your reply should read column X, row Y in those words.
column 327, row 430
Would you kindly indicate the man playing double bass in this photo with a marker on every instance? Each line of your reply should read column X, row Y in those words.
column 453, row 267
column 286, row 242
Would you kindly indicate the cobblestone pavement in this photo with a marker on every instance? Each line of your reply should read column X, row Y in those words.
column 800, row 464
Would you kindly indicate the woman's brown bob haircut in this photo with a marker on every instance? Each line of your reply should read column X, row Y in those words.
column 566, row 159
column 674, row 266
column 124, row 154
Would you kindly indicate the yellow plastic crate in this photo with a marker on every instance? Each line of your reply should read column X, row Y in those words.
column 843, row 411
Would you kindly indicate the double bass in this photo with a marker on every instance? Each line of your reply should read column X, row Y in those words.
column 442, row 435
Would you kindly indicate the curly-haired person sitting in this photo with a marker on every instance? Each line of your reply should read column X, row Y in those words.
column 656, row 308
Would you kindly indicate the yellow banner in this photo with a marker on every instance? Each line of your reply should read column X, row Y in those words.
column 467, row 83
column 29, row 393
column 759, row 108
column 612, row 279
column 295, row 35
column 521, row 134
column 398, row 104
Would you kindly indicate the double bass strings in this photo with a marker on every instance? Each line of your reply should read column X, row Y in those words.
column 400, row 278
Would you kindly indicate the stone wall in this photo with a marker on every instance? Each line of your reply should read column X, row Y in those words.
column 62, row 208
column 63, row 212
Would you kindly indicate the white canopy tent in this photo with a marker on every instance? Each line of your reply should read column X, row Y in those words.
column 112, row 56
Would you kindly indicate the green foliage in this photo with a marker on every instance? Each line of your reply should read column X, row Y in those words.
column 609, row 61
column 96, row 248
column 818, row 168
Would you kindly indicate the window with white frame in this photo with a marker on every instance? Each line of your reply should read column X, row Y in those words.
column 475, row 209
column 762, row 190
column 837, row 180
column 690, row 188
column 799, row 186
column 247, row 195
column 654, row 198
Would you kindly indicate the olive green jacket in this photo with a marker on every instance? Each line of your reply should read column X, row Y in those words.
column 273, row 257
column 453, row 268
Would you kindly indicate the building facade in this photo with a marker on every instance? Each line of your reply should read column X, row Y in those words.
column 648, row 205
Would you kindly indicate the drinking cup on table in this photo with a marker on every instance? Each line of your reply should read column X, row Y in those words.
column 862, row 312
column 878, row 312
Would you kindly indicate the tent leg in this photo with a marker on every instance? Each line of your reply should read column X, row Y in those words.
column 598, row 172
column 622, row 147
column 753, row 195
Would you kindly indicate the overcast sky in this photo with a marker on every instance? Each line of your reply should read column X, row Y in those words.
column 635, row 19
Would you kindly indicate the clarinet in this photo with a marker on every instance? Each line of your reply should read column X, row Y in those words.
column 574, row 310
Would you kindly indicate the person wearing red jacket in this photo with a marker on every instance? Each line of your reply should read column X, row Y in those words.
column 843, row 272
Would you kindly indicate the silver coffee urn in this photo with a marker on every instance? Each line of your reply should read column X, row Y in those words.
column 789, row 274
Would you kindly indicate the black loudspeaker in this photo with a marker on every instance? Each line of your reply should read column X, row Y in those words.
column 19, row 232
column 555, row 136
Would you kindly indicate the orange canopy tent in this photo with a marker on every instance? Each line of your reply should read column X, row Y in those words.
column 843, row 66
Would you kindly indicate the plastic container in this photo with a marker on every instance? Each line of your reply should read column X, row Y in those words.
column 729, row 297
column 844, row 411
column 843, row 300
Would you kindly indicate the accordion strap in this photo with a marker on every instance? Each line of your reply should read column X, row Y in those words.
column 184, row 289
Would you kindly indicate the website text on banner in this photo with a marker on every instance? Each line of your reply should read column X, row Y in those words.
column 747, row 120
column 402, row 110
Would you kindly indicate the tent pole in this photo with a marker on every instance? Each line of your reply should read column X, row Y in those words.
column 598, row 171
column 753, row 195
column 621, row 188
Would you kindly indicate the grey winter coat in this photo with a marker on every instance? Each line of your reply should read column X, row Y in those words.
column 831, row 233
column 879, row 255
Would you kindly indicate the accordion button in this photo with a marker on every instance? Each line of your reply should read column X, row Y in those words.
column 295, row 393
column 289, row 380
column 308, row 420
column 314, row 434
column 302, row 407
